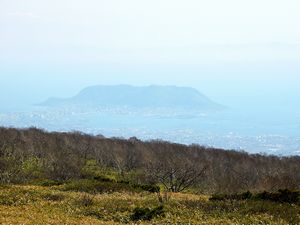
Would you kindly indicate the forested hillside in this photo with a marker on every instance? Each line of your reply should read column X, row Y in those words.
column 28, row 155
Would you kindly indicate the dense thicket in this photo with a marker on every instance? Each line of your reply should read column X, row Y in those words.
column 28, row 154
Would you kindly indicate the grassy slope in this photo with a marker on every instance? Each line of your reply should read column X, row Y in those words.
column 53, row 205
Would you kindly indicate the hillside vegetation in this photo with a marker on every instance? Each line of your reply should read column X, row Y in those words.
column 32, row 154
column 74, row 178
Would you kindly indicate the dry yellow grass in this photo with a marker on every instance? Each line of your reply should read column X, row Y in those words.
column 43, row 205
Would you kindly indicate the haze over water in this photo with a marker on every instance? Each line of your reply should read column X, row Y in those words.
column 242, row 55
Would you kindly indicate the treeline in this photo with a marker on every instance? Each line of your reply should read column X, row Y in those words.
column 33, row 154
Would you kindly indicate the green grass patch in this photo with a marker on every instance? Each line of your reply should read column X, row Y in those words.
column 12, row 196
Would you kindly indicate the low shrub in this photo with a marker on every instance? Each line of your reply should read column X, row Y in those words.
column 53, row 197
column 93, row 213
column 97, row 186
column 241, row 196
column 50, row 183
column 147, row 213
column 7, row 201
column 104, row 179
column 89, row 186
column 85, row 200
column 283, row 196
column 152, row 188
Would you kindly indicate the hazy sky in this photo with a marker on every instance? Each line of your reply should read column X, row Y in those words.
column 237, row 52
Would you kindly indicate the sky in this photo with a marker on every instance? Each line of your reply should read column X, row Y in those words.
column 239, row 53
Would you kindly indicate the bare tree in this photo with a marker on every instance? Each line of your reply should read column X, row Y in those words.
column 176, row 175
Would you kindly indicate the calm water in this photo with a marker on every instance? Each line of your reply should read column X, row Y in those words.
column 252, row 131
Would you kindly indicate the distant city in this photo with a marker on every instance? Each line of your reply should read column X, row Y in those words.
column 219, row 128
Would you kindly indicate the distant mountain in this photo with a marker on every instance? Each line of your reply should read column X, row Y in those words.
column 140, row 97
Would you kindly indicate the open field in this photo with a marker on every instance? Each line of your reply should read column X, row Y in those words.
column 55, row 205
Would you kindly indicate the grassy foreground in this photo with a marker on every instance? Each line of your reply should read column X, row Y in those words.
column 59, row 205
